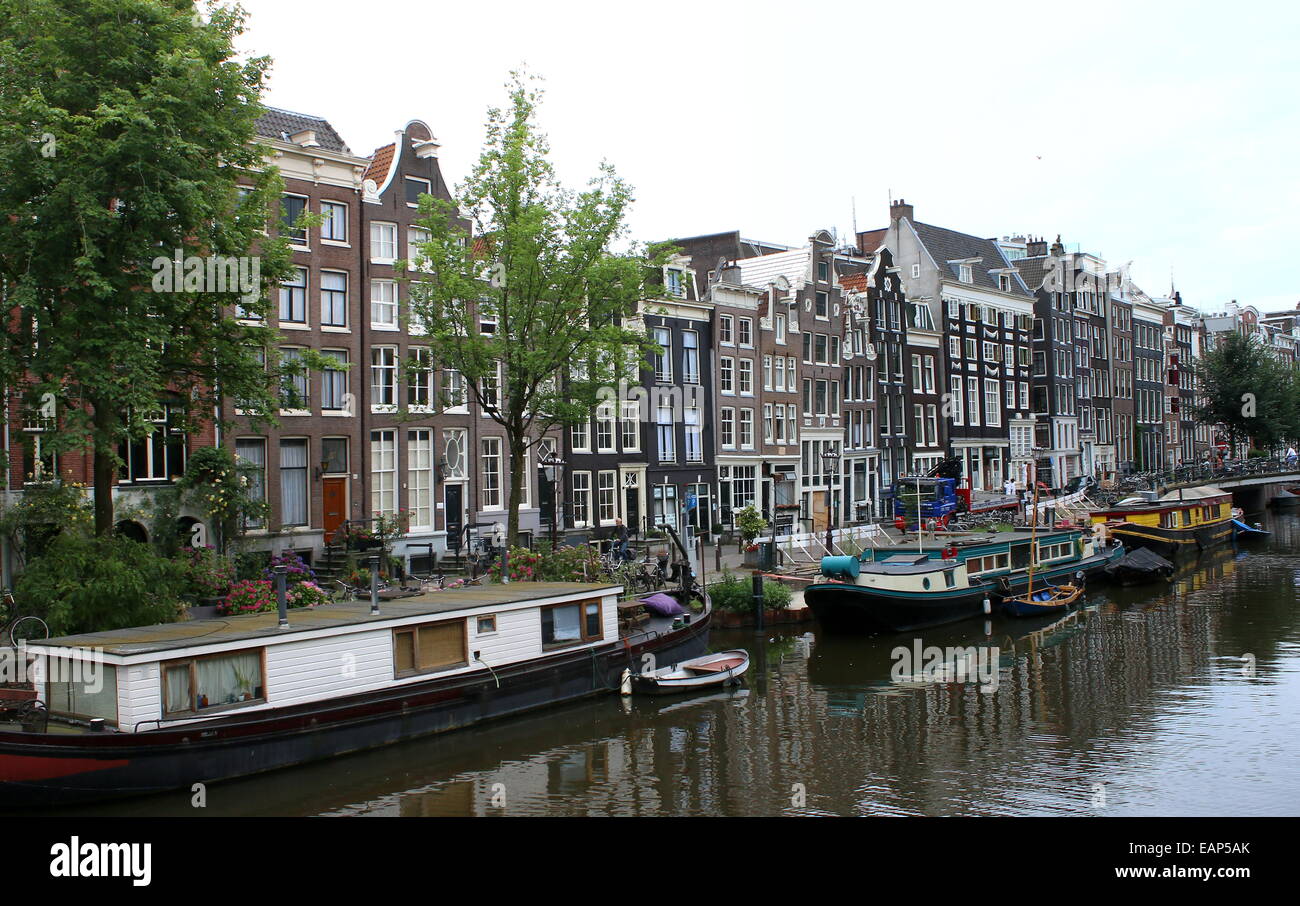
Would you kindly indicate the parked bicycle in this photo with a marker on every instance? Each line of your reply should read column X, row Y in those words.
column 17, row 628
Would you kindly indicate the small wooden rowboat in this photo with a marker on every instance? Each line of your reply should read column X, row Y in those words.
column 721, row 669
column 1049, row 599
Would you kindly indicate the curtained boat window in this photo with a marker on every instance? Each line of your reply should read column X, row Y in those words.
column 429, row 647
column 81, row 689
column 570, row 624
column 215, row 681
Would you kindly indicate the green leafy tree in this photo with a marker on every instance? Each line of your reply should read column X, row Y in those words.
column 125, row 126
column 90, row 584
column 538, row 262
column 1246, row 392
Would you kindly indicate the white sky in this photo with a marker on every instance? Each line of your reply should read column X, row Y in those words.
column 1167, row 134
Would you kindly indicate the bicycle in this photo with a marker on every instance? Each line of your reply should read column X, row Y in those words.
column 20, row 629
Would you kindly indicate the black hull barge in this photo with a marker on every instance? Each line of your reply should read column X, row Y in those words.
column 952, row 577
column 435, row 663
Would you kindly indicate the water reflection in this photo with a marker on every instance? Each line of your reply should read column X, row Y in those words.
column 1174, row 698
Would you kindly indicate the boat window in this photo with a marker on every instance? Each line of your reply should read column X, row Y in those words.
column 987, row 563
column 214, row 681
column 1055, row 551
column 570, row 624
column 80, row 689
column 486, row 624
column 429, row 647
column 950, row 576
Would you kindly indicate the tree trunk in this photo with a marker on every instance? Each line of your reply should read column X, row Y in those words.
column 103, row 471
column 517, row 460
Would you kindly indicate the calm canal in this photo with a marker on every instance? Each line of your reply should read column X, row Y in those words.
column 1178, row 699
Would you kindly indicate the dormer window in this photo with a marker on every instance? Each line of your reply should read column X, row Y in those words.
column 964, row 274
column 673, row 281
column 1004, row 282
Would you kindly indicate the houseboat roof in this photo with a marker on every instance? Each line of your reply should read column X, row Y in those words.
column 1169, row 500
column 1183, row 495
column 905, row 544
column 265, row 626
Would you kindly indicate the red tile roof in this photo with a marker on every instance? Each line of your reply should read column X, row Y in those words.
column 854, row 283
column 380, row 161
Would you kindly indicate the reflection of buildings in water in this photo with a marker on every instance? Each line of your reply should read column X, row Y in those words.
column 1077, row 701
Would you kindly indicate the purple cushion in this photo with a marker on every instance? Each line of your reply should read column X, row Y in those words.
column 662, row 604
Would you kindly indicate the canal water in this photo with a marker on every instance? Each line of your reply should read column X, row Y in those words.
column 1169, row 699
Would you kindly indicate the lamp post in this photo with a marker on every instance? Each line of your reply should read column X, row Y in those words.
column 552, row 464
column 830, row 468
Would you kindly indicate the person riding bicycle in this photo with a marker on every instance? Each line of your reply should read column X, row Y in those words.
column 620, row 541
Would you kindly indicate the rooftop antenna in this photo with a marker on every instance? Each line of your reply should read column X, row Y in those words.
column 853, row 202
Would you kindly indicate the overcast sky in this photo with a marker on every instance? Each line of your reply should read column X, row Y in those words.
column 1166, row 135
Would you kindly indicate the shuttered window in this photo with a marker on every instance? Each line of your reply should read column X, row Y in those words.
column 432, row 646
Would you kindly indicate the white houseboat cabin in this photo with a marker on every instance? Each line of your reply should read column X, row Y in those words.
column 170, row 674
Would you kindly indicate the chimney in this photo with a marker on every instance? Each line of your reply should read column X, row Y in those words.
column 1057, row 248
column 899, row 209
column 1036, row 248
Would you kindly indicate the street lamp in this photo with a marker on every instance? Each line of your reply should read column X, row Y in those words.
column 830, row 468
column 552, row 464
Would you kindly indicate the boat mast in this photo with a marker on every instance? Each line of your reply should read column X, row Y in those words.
column 1033, row 531
column 920, row 519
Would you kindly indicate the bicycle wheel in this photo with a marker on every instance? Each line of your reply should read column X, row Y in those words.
column 28, row 629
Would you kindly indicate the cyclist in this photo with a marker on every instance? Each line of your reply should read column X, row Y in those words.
column 620, row 542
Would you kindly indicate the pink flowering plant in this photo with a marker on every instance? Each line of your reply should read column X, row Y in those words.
column 307, row 594
column 568, row 564
column 249, row 596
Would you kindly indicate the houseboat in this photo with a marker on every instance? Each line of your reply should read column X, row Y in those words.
column 1181, row 522
column 948, row 577
column 137, row 711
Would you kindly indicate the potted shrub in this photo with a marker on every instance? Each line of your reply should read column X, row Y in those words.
column 357, row 537
column 751, row 524
column 208, row 576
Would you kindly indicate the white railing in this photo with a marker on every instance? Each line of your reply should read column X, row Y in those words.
column 810, row 547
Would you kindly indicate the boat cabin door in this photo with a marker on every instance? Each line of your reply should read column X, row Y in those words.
column 1020, row 554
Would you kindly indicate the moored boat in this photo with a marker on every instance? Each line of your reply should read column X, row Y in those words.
column 1181, row 522
column 1043, row 600
column 1140, row 565
column 948, row 577
column 150, row 709
column 1241, row 529
column 722, row 669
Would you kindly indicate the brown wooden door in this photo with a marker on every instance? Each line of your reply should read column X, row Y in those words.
column 335, row 494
